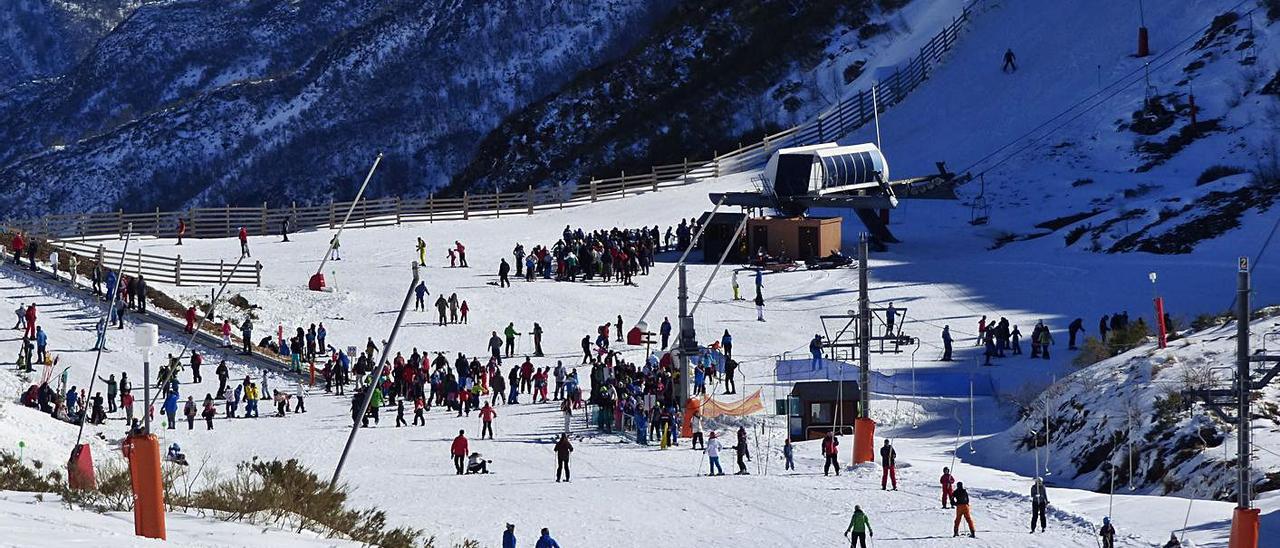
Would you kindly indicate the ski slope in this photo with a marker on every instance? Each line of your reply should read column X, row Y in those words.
column 1052, row 138
column 944, row 273
column 616, row 486
column 28, row 520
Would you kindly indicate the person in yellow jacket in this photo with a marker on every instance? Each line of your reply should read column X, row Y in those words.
column 251, row 400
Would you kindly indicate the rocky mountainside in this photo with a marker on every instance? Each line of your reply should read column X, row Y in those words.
column 44, row 38
column 202, row 102
column 693, row 87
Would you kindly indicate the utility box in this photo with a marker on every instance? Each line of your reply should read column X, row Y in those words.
column 794, row 238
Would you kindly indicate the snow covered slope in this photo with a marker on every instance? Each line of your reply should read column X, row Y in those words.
column 27, row 519
column 1069, row 155
column 1127, row 417
column 939, row 280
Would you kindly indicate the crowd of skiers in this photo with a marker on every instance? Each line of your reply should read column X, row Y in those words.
column 1000, row 339
column 615, row 255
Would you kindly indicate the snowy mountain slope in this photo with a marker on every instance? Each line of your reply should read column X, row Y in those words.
column 149, row 62
column 420, row 80
column 43, row 38
column 1127, row 417
column 1130, row 176
column 712, row 77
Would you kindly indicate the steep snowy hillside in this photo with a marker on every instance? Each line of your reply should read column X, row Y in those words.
column 1089, row 147
column 287, row 100
column 1127, row 420
column 713, row 76
column 43, row 38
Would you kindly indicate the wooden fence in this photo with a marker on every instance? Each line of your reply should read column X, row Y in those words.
column 849, row 114
column 170, row 270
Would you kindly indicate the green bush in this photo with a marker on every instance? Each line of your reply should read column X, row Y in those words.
column 1118, row 342
column 287, row 494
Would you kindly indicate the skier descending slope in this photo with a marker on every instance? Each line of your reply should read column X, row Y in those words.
column 713, row 456
column 860, row 527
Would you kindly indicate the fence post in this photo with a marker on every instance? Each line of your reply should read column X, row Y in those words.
column 220, row 274
column 593, row 189
column 684, row 175
column 177, row 270
column 100, row 252
column 466, row 205
column 257, row 272
column 497, row 203
column 431, row 208
column 530, row 199
column 653, row 172
column 623, row 179
column 264, row 220
column 715, row 168
column 398, row 203
column 840, row 118
column 157, row 225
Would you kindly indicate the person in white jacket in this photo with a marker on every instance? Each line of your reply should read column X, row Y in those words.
column 713, row 455
column 697, row 432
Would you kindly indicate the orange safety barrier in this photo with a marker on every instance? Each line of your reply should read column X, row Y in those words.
column 746, row 406
column 148, row 486
column 864, row 440
column 80, row 475
column 1244, row 528
column 691, row 408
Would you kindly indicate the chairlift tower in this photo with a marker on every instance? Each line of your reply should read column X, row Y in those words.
column 1245, row 519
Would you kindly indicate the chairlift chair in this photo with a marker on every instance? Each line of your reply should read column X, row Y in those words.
column 980, row 210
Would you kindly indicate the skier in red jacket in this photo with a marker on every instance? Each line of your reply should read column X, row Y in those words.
column 244, row 243
column 948, row 484
column 487, row 413
column 19, row 244
column 191, row 319
column 459, row 451
column 31, row 321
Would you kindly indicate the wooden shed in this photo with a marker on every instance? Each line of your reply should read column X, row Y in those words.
column 794, row 238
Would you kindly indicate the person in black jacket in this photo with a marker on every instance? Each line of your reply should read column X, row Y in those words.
column 1108, row 534
column 960, row 500
column 1076, row 326
column 888, row 458
column 1039, row 502
column 563, row 449
column 504, row 270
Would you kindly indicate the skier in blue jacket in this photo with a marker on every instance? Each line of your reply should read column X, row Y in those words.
column 545, row 541
column 509, row 537
column 170, row 408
